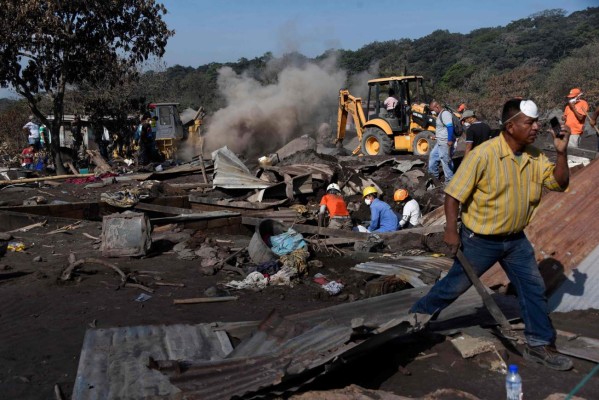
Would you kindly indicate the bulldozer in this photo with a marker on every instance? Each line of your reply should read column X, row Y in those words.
column 409, row 127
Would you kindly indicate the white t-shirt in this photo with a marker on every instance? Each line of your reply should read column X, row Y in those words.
column 411, row 213
column 34, row 130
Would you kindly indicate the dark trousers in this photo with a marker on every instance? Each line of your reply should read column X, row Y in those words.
column 516, row 256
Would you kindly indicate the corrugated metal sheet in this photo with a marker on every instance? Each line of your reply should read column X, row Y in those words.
column 113, row 362
column 413, row 263
column 581, row 290
column 231, row 173
column 566, row 226
column 304, row 343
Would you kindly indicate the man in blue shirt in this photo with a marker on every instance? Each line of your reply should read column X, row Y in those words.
column 382, row 217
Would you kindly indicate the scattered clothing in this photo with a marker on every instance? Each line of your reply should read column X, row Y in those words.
column 253, row 280
column 269, row 267
column 287, row 242
column 297, row 260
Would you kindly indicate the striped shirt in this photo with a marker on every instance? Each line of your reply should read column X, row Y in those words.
column 500, row 192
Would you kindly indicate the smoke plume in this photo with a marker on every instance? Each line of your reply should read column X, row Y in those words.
column 260, row 118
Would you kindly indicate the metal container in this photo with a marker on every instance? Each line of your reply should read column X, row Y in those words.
column 126, row 235
column 259, row 247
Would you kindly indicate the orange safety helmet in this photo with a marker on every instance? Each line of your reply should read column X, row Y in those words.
column 400, row 195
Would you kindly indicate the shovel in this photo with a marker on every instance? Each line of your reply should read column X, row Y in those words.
column 490, row 304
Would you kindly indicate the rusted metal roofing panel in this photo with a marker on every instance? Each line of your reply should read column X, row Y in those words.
column 566, row 225
column 113, row 362
column 231, row 173
column 283, row 347
column 414, row 263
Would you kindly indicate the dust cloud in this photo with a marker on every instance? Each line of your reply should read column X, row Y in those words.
column 260, row 118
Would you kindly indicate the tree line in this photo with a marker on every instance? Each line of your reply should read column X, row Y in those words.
column 541, row 57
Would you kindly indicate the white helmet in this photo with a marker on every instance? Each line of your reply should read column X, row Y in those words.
column 333, row 186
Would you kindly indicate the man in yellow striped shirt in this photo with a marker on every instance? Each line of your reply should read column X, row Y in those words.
column 499, row 186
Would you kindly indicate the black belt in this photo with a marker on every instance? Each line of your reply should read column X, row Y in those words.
column 496, row 238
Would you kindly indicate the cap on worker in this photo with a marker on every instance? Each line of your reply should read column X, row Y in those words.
column 369, row 190
column 529, row 108
column 400, row 195
column 467, row 114
column 574, row 92
column 333, row 186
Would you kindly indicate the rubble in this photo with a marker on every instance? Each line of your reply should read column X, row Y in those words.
column 211, row 240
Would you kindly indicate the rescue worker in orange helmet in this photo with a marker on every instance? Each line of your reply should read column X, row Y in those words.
column 411, row 215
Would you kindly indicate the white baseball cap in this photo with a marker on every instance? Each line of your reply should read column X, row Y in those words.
column 528, row 108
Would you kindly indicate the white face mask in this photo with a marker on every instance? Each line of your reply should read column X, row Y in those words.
column 367, row 201
column 466, row 124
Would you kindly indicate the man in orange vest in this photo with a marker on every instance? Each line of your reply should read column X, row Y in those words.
column 575, row 114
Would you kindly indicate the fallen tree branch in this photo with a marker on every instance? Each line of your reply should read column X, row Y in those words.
column 66, row 228
column 87, row 235
column 30, row 227
column 66, row 274
column 138, row 286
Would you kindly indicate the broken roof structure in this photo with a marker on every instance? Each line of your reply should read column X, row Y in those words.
column 281, row 354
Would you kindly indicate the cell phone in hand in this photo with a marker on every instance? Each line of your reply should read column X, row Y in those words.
column 557, row 127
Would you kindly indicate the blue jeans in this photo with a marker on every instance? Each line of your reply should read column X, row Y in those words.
column 516, row 256
column 441, row 154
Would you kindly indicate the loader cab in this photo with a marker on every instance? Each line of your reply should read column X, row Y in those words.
column 168, row 129
column 408, row 90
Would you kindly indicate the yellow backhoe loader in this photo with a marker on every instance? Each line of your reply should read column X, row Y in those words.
column 408, row 127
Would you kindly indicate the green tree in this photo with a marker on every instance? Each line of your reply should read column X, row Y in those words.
column 47, row 46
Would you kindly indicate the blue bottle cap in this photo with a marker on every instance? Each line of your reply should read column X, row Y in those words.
column 513, row 369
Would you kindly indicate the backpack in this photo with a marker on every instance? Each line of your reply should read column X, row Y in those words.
column 458, row 129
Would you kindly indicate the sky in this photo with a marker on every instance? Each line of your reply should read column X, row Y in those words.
column 227, row 30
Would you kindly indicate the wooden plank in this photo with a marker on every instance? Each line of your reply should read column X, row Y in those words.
column 163, row 209
column 195, row 198
column 578, row 346
column 332, row 241
column 198, row 300
column 312, row 229
column 45, row 178
column 301, row 228
column 190, row 185
column 197, row 216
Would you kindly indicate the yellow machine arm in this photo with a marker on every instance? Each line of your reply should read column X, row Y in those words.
column 349, row 104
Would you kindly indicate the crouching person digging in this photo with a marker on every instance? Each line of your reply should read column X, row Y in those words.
column 499, row 186
column 333, row 204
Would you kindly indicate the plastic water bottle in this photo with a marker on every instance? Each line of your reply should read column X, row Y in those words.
column 513, row 384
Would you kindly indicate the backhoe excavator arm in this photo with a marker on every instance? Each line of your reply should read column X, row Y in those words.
column 349, row 104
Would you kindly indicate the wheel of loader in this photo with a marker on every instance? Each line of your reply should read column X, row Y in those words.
column 423, row 144
column 376, row 142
